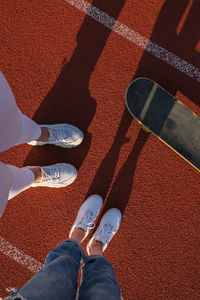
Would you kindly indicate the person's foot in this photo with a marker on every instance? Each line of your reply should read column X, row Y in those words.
column 106, row 230
column 58, row 175
column 86, row 216
column 62, row 135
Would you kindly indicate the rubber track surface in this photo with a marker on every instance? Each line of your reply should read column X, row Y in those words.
column 64, row 66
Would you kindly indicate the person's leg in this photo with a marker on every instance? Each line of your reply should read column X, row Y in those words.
column 58, row 175
column 6, row 179
column 98, row 280
column 63, row 135
column 15, row 180
column 30, row 130
column 59, row 276
column 22, row 180
column 98, row 277
column 16, row 128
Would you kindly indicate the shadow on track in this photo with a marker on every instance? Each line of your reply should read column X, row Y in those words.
column 69, row 100
column 177, row 29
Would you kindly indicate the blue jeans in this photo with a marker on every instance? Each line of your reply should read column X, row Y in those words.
column 58, row 279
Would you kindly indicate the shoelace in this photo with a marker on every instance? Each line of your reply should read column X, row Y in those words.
column 91, row 225
column 86, row 220
column 106, row 232
column 57, row 135
column 50, row 174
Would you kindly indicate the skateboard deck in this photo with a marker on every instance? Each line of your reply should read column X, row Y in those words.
column 166, row 117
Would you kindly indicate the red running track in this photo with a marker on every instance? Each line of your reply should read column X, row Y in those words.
column 64, row 66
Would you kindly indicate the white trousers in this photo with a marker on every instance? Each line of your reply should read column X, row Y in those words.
column 15, row 129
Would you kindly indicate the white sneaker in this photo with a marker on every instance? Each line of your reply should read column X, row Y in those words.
column 63, row 135
column 107, row 228
column 87, row 214
column 58, row 175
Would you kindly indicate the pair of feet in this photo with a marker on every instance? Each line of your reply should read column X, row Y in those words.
column 61, row 174
column 84, row 222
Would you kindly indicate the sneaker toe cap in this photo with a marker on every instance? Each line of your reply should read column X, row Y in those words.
column 76, row 135
column 69, row 174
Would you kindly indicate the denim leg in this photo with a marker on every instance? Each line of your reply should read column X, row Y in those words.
column 59, row 276
column 98, row 280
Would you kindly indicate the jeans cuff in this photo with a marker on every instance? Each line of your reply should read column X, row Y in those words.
column 92, row 257
column 77, row 245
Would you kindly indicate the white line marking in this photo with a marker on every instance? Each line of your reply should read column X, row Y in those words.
column 19, row 256
column 137, row 39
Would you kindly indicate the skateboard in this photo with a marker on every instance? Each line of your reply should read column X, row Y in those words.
column 167, row 118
